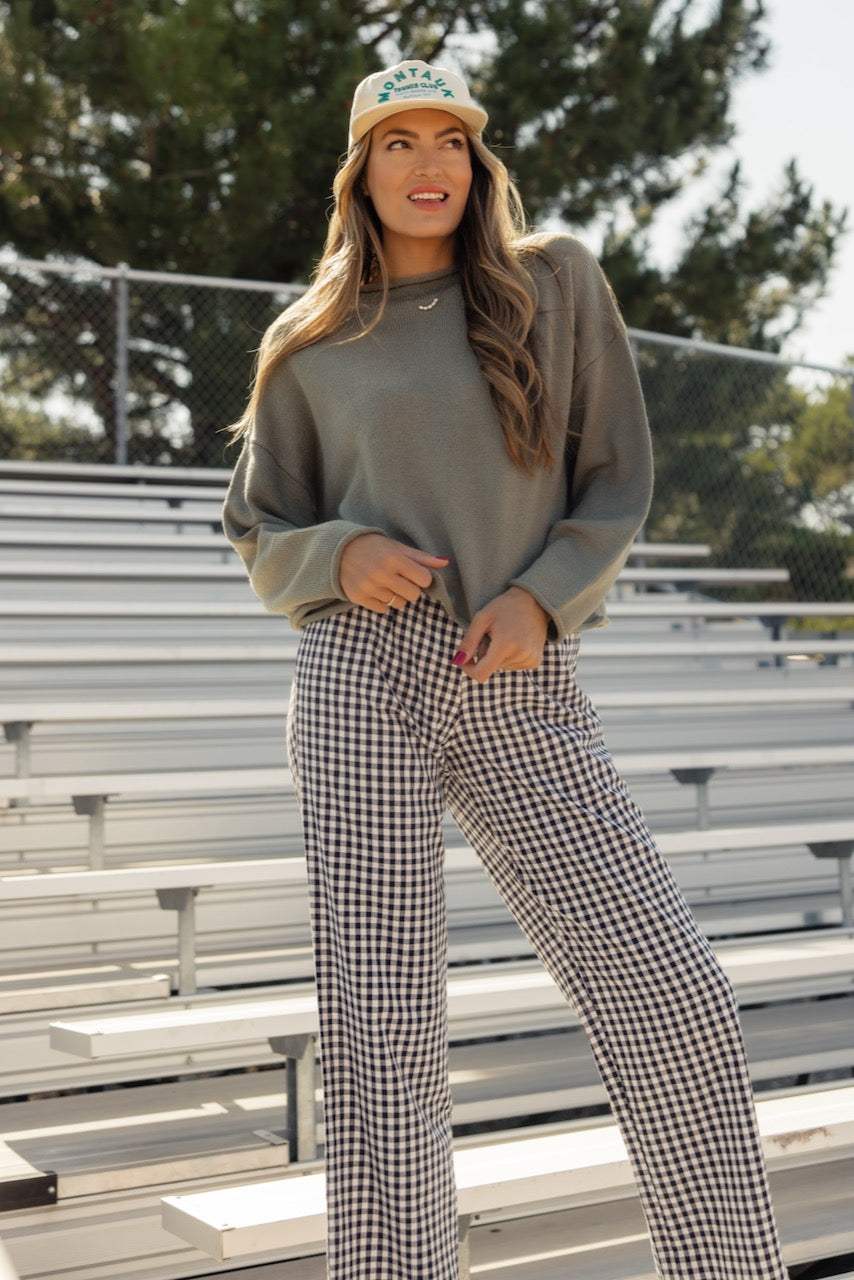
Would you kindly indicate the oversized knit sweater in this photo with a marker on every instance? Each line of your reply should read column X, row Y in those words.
column 396, row 432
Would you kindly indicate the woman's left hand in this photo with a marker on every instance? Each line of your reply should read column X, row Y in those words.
column 508, row 634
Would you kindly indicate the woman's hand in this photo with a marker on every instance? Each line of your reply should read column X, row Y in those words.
column 381, row 574
column 508, row 634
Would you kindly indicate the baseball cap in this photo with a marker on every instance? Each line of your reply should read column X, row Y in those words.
column 407, row 85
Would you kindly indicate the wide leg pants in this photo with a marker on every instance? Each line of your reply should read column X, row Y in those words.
column 384, row 737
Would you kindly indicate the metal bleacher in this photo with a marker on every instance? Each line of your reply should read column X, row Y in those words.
column 132, row 649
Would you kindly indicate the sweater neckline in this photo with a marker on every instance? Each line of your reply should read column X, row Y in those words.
column 409, row 286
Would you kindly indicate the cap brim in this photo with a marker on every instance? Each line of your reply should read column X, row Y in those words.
column 474, row 117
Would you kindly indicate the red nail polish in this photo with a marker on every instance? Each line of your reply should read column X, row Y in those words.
column 459, row 658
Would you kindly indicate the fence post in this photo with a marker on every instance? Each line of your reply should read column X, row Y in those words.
column 120, row 388
column 634, row 346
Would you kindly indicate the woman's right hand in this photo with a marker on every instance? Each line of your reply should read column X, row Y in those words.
column 381, row 574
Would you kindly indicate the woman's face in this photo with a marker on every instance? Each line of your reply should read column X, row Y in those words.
column 418, row 176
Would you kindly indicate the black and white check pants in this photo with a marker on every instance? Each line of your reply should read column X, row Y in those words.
column 384, row 737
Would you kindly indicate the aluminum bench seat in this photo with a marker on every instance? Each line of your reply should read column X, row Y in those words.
column 499, row 1178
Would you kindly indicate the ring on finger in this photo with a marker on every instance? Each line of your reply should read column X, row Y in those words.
column 391, row 599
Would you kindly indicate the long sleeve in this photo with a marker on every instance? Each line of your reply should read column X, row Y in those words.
column 609, row 456
column 270, row 514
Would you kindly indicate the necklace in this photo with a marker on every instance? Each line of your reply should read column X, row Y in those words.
column 427, row 306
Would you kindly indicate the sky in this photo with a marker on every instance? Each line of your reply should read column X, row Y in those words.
column 802, row 107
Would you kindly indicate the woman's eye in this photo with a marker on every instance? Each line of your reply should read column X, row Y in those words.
column 401, row 144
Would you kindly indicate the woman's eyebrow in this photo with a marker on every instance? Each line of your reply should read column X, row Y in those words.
column 411, row 133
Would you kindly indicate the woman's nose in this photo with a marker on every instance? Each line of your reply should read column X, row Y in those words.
column 427, row 164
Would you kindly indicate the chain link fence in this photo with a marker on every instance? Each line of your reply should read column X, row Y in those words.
column 754, row 454
column 114, row 365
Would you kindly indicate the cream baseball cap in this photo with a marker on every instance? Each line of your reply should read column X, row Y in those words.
column 411, row 84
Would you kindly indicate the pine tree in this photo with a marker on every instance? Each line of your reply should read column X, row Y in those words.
column 201, row 136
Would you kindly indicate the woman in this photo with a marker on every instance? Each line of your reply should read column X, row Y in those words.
column 446, row 459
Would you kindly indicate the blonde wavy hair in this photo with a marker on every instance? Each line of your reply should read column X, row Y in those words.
column 499, row 295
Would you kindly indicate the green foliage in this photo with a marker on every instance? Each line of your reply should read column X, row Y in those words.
column 601, row 102
column 818, row 565
column 196, row 136
column 744, row 278
column 805, row 442
column 754, row 465
column 32, row 436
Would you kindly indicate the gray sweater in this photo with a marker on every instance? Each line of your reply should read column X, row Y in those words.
column 396, row 433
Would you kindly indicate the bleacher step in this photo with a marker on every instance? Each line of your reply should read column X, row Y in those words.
column 114, row 1138
column 22, row 1185
column 503, row 1178
column 120, row 1234
column 133, row 1138
column 24, row 995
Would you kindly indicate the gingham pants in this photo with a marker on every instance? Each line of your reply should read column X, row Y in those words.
column 384, row 735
